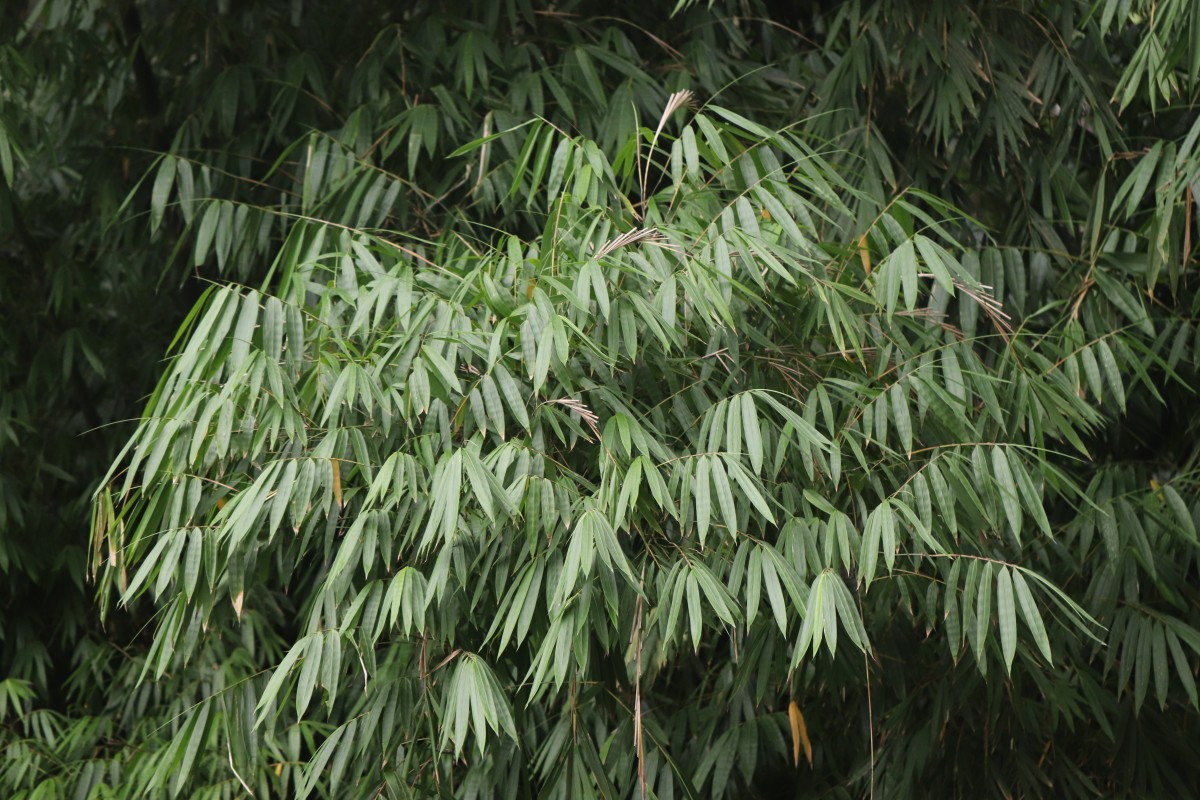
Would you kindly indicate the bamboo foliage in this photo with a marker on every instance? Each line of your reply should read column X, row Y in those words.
column 579, row 405
column 472, row 464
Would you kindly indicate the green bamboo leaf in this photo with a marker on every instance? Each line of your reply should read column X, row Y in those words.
column 309, row 670
column 283, row 495
column 848, row 615
column 1007, row 486
column 953, row 375
column 695, row 611
column 714, row 593
column 1126, row 301
column 829, row 611
column 445, row 498
column 512, row 396
column 733, row 425
column 443, row 369
column 947, row 503
column 1029, row 493
column 981, row 582
column 900, row 414
column 690, row 152
column 481, row 487
column 192, row 562
column 900, row 269
column 724, row 494
column 494, row 700
column 701, row 496
column 577, row 564
column 1134, row 187
column 607, row 544
column 753, row 571
column 1183, row 667
column 1091, row 370
column 1162, row 675
column 491, row 402
column 751, row 488
column 515, row 604
column 193, row 736
column 936, row 259
column 170, row 561
column 1106, row 521
column 1033, row 618
column 1007, row 615
column 954, row 622
column 7, row 153
column 1142, row 661
column 630, row 485
column 868, row 557
column 314, row 770
column 770, row 579
column 149, row 563
column 164, row 181
column 713, row 139
column 1112, row 374
column 243, row 333
column 812, row 630
column 541, row 362
column 1182, row 514
column 270, row 694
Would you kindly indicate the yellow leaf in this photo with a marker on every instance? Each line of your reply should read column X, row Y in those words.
column 337, row 482
column 864, row 253
column 799, row 734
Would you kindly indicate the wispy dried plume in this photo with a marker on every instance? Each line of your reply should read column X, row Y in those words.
column 586, row 414
column 677, row 100
column 647, row 235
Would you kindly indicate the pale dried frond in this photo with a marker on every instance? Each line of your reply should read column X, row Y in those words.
column 676, row 101
column 990, row 305
column 586, row 414
column 647, row 235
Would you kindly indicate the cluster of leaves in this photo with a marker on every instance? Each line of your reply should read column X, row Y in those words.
column 572, row 386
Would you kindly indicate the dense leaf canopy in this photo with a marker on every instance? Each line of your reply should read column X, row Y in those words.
column 592, row 401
